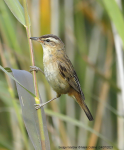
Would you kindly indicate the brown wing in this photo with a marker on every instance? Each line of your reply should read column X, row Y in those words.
column 67, row 71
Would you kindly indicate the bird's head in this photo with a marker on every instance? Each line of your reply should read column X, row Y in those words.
column 49, row 42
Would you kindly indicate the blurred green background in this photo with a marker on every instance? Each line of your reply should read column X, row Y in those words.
column 92, row 31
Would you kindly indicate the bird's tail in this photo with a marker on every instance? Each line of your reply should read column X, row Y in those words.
column 82, row 104
column 87, row 111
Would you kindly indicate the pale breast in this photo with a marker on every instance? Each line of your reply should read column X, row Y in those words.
column 54, row 78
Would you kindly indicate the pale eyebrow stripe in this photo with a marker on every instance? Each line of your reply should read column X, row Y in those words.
column 52, row 39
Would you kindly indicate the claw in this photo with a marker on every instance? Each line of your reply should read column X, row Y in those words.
column 38, row 106
column 34, row 68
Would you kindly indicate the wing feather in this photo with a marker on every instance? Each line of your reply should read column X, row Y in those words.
column 67, row 71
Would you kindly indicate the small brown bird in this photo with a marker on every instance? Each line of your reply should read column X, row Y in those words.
column 59, row 71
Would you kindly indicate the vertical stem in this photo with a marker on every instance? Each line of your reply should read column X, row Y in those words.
column 30, row 45
column 120, row 83
column 70, row 45
column 34, row 76
column 32, row 60
column 103, row 94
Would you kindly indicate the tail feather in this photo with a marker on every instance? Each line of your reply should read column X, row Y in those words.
column 87, row 111
column 81, row 102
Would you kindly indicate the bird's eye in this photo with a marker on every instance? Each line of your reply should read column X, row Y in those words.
column 48, row 40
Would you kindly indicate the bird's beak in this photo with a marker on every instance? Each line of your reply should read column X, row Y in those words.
column 36, row 39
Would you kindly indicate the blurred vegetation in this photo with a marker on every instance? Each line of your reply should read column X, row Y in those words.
column 86, row 28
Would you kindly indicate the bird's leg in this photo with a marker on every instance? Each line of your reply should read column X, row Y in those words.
column 34, row 68
column 41, row 105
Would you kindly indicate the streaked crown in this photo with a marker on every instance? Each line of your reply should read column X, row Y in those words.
column 50, row 41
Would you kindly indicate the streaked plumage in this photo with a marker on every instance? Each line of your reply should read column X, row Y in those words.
column 59, row 70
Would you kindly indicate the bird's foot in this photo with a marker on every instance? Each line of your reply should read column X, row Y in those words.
column 34, row 68
column 37, row 106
